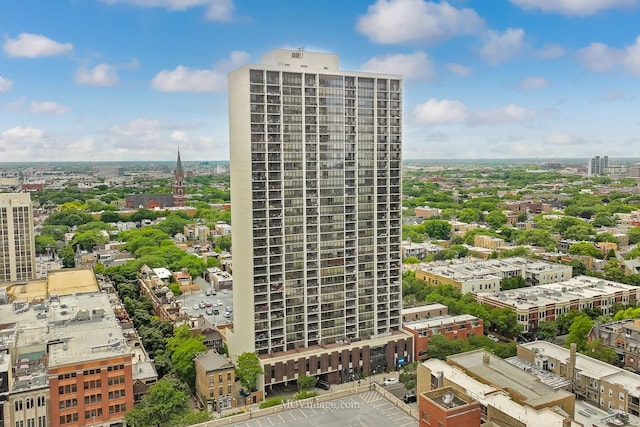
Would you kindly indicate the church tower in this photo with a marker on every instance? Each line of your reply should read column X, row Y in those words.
column 178, row 184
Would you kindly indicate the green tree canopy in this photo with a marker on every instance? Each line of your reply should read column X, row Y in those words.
column 164, row 404
column 437, row 229
column 598, row 350
column 183, row 347
column 584, row 248
column 579, row 330
column 247, row 370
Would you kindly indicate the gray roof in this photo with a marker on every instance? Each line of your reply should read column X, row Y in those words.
column 212, row 361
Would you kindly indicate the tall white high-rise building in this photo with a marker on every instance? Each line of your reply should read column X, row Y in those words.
column 316, row 214
column 17, row 241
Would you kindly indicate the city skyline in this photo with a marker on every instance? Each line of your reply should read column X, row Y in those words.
column 500, row 79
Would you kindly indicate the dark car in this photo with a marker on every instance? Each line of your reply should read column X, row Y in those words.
column 410, row 397
column 323, row 385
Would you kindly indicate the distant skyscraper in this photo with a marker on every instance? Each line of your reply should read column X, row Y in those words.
column 316, row 214
column 179, row 198
column 598, row 165
column 17, row 243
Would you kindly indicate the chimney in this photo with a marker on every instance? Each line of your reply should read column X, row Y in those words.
column 571, row 366
column 486, row 359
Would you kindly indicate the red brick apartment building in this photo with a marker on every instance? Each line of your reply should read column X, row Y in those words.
column 452, row 327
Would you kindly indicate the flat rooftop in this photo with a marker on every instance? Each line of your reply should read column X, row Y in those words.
column 506, row 376
column 527, row 415
column 439, row 321
column 590, row 367
column 467, row 269
column 422, row 308
column 66, row 282
column 580, row 288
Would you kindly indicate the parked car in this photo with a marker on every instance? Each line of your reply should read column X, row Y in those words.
column 209, row 311
column 216, row 311
column 201, row 305
column 219, row 303
column 207, row 292
column 409, row 398
column 229, row 309
column 227, row 314
column 196, row 307
column 323, row 385
column 207, row 304
column 225, row 291
column 389, row 381
column 493, row 338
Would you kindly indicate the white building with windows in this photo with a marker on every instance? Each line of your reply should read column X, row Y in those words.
column 316, row 187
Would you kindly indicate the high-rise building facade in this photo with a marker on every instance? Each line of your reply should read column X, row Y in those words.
column 316, row 190
column 598, row 165
column 17, row 241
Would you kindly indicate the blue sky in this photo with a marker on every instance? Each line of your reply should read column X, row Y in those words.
column 135, row 79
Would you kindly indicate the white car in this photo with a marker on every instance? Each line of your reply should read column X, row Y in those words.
column 227, row 314
column 390, row 381
column 225, row 291
column 196, row 307
column 493, row 338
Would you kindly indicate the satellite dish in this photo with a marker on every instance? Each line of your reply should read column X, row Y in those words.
column 447, row 398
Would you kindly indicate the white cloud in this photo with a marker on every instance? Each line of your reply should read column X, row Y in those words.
column 573, row 7
column 400, row 21
column 179, row 136
column 549, row 51
column 34, row 45
column 185, row 79
column 216, row 10
column 499, row 116
column 599, row 57
column 22, row 143
column 502, row 46
column 417, row 66
column 443, row 111
column 531, row 83
column 83, row 145
column 460, row 70
column 138, row 130
column 631, row 59
column 5, row 84
column 562, row 138
column 100, row 75
column 47, row 107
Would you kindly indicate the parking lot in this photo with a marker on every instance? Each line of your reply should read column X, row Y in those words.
column 368, row 409
column 220, row 300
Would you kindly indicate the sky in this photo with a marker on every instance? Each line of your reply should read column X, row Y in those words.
column 133, row 80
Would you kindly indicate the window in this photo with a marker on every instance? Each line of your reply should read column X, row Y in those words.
column 17, row 405
column 94, row 384
column 116, row 380
column 29, row 402
column 42, row 421
column 41, row 401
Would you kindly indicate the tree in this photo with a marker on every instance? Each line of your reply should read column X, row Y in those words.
column 110, row 216
column 164, row 404
column 440, row 347
column 247, row 370
column 613, row 270
column 578, row 232
column 411, row 260
column 535, row 237
column 223, row 243
column 495, row 219
column 603, row 219
column 584, row 248
column 634, row 235
column 579, row 330
column 408, row 376
column 173, row 224
column 598, row 350
column 437, row 229
column 505, row 322
column 547, row 330
column 68, row 257
column 183, row 347
column 45, row 244
column 507, row 283
column 306, row 382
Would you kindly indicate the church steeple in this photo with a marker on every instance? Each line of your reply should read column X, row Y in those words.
column 178, row 184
